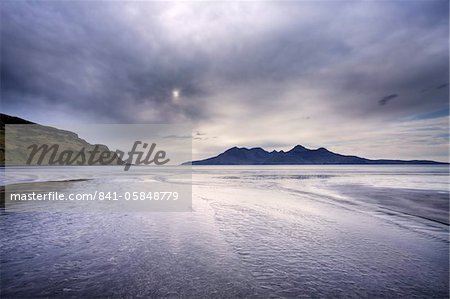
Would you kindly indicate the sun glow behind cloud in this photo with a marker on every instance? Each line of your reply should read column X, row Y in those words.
column 175, row 95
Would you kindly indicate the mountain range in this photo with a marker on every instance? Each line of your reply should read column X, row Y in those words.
column 298, row 155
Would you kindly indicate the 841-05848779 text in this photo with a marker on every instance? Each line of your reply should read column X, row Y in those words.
column 97, row 195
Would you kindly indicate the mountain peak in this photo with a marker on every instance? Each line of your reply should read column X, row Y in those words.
column 232, row 149
column 322, row 149
column 298, row 148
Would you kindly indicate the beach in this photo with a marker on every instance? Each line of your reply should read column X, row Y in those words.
column 253, row 231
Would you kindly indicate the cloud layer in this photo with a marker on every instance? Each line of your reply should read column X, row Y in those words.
column 368, row 78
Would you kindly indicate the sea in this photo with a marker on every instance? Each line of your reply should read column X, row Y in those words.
column 353, row 231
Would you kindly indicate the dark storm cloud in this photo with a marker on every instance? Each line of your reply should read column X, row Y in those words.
column 301, row 66
column 83, row 57
column 121, row 59
column 386, row 99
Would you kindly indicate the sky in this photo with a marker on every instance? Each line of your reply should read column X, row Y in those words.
column 368, row 78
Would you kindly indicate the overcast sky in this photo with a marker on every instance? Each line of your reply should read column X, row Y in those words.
column 366, row 78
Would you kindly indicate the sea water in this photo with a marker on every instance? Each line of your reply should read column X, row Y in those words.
column 253, row 231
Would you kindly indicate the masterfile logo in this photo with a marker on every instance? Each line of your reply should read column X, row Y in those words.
column 98, row 168
column 96, row 156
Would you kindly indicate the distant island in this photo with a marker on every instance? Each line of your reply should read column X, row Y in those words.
column 298, row 155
